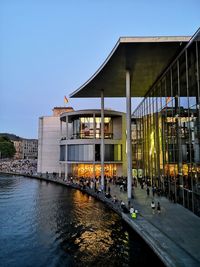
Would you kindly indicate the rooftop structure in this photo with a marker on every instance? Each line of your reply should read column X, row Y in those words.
column 163, row 70
column 145, row 57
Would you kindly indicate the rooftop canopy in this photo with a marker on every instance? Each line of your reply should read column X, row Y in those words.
column 145, row 57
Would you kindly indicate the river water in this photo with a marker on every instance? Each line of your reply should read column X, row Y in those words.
column 44, row 224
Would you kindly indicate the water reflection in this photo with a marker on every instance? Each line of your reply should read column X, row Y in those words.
column 44, row 224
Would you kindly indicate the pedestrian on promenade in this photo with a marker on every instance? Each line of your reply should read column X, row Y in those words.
column 109, row 189
column 148, row 191
column 153, row 206
column 131, row 210
column 158, row 208
column 114, row 199
column 153, row 190
column 142, row 183
column 134, row 214
column 122, row 204
column 124, row 208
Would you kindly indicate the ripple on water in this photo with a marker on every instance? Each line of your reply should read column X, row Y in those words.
column 44, row 224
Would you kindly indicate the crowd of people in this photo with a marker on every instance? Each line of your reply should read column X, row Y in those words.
column 22, row 166
column 29, row 167
column 121, row 182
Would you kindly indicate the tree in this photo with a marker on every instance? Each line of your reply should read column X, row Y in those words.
column 7, row 149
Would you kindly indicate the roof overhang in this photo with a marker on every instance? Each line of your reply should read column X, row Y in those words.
column 145, row 57
column 89, row 113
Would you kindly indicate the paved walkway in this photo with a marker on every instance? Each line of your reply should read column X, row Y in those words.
column 175, row 222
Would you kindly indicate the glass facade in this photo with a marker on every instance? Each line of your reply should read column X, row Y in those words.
column 87, row 153
column 166, row 130
column 93, row 170
column 90, row 127
column 62, row 152
column 80, row 152
column 112, row 152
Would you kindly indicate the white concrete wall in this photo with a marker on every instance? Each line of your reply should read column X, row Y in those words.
column 48, row 144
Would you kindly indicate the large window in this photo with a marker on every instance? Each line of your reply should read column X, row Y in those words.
column 93, row 170
column 108, row 131
column 62, row 153
column 80, row 153
column 85, row 128
column 112, row 153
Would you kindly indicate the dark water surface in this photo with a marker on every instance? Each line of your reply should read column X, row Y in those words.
column 43, row 224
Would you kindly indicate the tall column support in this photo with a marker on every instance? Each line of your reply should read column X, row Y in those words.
column 59, row 171
column 67, row 135
column 60, row 129
column 66, row 171
column 102, row 139
column 94, row 170
column 128, row 129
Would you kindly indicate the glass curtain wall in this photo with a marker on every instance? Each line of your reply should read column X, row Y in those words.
column 166, row 131
column 93, row 170
column 90, row 127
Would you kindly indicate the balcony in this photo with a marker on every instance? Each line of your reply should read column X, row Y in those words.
column 91, row 135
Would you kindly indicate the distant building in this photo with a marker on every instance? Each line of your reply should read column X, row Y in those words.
column 26, row 149
column 29, row 148
column 19, row 149
column 49, row 141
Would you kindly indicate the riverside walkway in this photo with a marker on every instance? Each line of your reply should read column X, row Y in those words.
column 174, row 234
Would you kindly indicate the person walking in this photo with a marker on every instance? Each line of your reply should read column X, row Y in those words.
column 131, row 210
column 134, row 214
column 158, row 208
column 148, row 191
column 109, row 189
column 153, row 206
column 153, row 190
column 121, row 188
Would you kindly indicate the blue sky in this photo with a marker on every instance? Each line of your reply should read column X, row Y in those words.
column 49, row 48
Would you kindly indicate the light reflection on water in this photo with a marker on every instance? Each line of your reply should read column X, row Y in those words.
column 43, row 224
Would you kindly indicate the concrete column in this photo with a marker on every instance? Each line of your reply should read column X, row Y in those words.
column 93, row 160
column 66, row 170
column 94, row 127
column 128, row 129
column 59, row 174
column 102, row 139
column 67, row 135
column 60, row 129
column 94, row 170
column 66, row 159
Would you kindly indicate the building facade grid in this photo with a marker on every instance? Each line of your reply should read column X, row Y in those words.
column 166, row 130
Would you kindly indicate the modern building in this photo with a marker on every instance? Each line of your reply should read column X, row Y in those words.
column 166, row 72
column 80, row 146
column 49, row 141
column 167, row 130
